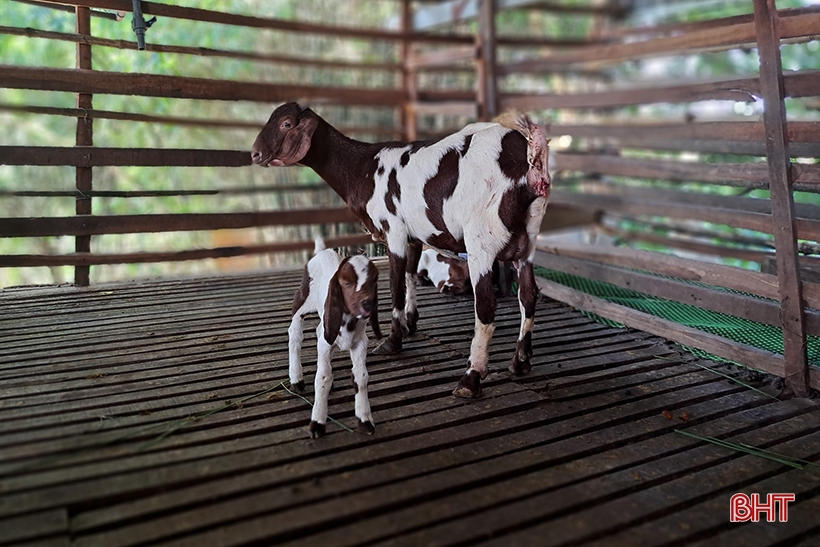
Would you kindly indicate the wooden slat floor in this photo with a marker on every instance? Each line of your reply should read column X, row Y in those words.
column 114, row 431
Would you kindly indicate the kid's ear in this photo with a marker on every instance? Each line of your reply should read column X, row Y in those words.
column 334, row 308
column 297, row 140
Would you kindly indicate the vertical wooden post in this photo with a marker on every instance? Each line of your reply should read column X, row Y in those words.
column 408, row 76
column 486, row 74
column 84, row 137
column 780, row 188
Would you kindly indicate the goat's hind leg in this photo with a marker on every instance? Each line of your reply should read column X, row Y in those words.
column 411, row 310
column 485, row 304
column 527, row 297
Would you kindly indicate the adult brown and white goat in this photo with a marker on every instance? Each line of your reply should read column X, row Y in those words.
column 344, row 293
column 482, row 191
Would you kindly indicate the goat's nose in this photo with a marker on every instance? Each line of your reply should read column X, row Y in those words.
column 367, row 305
column 256, row 155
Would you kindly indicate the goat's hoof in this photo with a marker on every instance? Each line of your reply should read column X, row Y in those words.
column 519, row 367
column 298, row 386
column 366, row 427
column 412, row 322
column 469, row 387
column 316, row 429
column 387, row 347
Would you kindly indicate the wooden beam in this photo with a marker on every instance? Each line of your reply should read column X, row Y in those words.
column 760, row 222
column 145, row 157
column 696, row 41
column 717, row 345
column 730, row 277
column 86, row 259
column 84, row 137
column 139, row 224
column 798, row 84
column 340, row 64
column 707, row 298
column 729, row 137
column 486, row 77
column 154, row 85
column 784, row 221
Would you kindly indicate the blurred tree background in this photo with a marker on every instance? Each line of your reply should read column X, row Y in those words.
column 40, row 130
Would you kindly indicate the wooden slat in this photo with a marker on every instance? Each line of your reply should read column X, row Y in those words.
column 87, row 156
column 20, row 261
column 128, row 224
column 798, row 84
column 760, row 222
column 696, row 41
column 707, row 298
column 784, row 217
column 154, row 85
column 427, row 59
column 729, row 137
column 83, row 38
column 749, row 175
column 728, row 349
column 83, row 176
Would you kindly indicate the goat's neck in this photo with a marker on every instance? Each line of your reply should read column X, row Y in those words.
column 338, row 159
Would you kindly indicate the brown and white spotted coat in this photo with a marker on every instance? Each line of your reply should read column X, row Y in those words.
column 343, row 291
column 447, row 274
column 482, row 191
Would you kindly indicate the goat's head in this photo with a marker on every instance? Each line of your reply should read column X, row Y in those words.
column 354, row 290
column 285, row 139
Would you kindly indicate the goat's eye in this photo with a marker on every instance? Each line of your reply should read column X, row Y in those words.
column 286, row 125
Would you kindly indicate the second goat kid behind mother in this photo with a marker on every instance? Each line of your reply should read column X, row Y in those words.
column 482, row 191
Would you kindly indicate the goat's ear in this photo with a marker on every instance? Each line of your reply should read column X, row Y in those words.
column 297, row 140
column 334, row 309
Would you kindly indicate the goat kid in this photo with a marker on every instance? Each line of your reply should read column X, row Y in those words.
column 446, row 273
column 482, row 190
column 344, row 293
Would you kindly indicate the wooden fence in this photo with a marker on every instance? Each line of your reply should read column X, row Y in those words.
column 623, row 171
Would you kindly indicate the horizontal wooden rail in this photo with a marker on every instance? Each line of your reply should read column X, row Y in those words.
column 708, row 298
column 92, row 156
column 154, row 85
column 749, row 175
column 175, row 120
column 697, row 41
column 760, row 222
column 736, row 137
column 210, row 16
column 91, row 259
column 798, row 84
column 137, row 224
column 717, row 345
column 730, row 277
column 200, row 51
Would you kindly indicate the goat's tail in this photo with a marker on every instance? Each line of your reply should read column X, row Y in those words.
column 318, row 245
column 538, row 176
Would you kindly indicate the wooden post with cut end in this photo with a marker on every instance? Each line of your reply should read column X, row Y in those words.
column 84, row 137
column 780, row 187
column 486, row 76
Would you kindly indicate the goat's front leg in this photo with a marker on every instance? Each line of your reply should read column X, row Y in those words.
column 398, row 327
column 411, row 281
column 485, row 303
column 358, row 356
column 527, row 297
column 321, row 385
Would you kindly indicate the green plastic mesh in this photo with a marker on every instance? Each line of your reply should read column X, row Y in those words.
column 754, row 334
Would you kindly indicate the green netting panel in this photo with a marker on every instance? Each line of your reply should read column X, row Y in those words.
column 728, row 326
